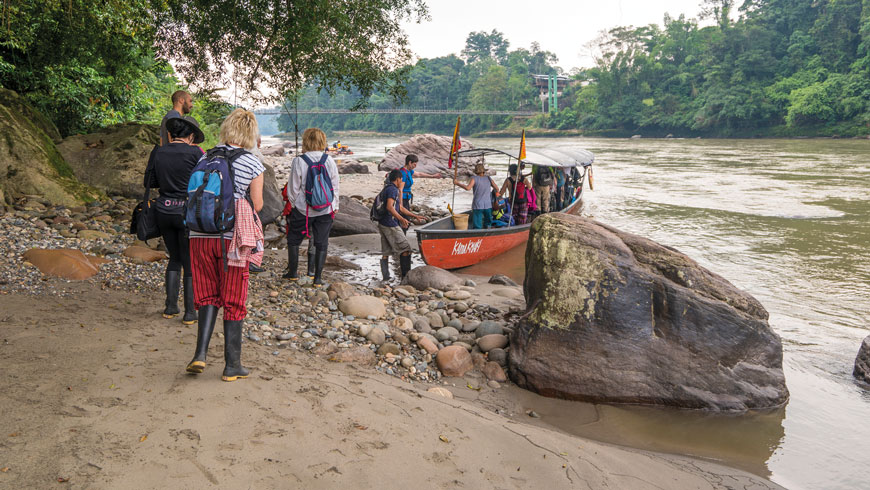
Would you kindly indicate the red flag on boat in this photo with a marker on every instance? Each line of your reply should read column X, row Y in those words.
column 523, row 146
column 456, row 145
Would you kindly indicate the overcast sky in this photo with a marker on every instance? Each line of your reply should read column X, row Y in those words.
column 561, row 26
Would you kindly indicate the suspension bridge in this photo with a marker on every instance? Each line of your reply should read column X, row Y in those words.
column 453, row 112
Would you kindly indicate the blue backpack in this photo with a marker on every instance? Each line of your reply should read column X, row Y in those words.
column 318, row 186
column 211, row 205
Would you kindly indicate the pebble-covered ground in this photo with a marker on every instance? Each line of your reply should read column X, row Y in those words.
column 399, row 334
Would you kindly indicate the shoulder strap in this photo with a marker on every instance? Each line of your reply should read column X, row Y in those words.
column 323, row 158
column 306, row 159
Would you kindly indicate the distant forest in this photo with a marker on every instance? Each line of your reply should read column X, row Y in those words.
column 763, row 68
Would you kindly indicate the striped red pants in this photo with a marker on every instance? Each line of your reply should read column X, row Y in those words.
column 214, row 286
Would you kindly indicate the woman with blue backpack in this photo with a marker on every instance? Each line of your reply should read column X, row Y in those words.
column 313, row 191
column 225, row 192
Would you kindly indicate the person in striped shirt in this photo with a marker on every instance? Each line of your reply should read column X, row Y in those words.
column 213, row 286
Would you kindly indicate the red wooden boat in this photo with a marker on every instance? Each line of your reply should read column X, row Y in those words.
column 442, row 245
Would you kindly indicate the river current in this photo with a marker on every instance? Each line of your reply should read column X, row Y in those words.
column 786, row 220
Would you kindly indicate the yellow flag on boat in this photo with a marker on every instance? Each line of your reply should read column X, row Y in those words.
column 523, row 146
column 456, row 145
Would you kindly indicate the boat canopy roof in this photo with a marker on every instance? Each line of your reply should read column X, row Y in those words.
column 545, row 157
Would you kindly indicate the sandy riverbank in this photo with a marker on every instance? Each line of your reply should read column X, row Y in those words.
column 98, row 396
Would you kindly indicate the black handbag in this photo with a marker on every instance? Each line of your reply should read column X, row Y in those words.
column 143, row 223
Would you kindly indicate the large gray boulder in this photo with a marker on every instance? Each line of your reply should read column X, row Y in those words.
column 30, row 164
column 113, row 159
column 429, row 276
column 273, row 203
column 432, row 151
column 862, row 361
column 621, row 319
column 352, row 218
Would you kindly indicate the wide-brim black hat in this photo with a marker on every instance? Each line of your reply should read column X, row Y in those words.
column 198, row 135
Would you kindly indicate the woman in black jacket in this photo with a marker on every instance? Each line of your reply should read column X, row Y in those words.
column 169, row 168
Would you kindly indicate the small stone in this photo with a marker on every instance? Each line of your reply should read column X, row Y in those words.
column 503, row 280
column 422, row 325
column 494, row 372
column 325, row 349
column 402, row 324
column 376, row 336
column 93, row 235
column 533, row 414
column 407, row 362
column 437, row 390
column 498, row 355
column 457, row 295
column 364, row 329
column 488, row 327
column 285, row 336
column 336, row 324
column 470, row 326
column 470, row 283
column 401, row 339
column 435, row 320
column 253, row 338
column 492, row 341
column 358, row 355
column 466, row 345
column 389, row 348
column 363, row 306
column 426, row 344
column 493, row 384
column 460, row 307
column 454, row 361
column 446, row 333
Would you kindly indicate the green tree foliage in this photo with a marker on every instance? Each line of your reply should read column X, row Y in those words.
column 83, row 63
column 270, row 49
column 91, row 63
column 488, row 76
column 798, row 65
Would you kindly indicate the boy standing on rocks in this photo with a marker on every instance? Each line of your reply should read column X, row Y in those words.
column 393, row 240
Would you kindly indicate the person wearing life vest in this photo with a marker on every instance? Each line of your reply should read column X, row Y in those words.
column 408, row 173
column 305, row 219
column 520, row 201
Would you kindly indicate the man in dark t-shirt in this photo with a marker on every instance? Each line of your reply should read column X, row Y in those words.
column 393, row 240
column 182, row 104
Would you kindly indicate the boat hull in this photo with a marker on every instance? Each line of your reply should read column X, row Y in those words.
column 447, row 248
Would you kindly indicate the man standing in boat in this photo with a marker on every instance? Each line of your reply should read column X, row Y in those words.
column 481, row 205
column 408, row 179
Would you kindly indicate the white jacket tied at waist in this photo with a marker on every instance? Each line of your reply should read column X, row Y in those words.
column 296, row 184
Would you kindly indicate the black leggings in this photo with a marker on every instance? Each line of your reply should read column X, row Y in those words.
column 318, row 227
column 175, row 236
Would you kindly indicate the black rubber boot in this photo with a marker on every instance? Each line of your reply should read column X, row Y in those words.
column 207, row 318
column 233, row 351
column 385, row 269
column 405, row 264
column 319, row 262
column 189, row 308
column 173, row 284
column 292, row 263
column 312, row 270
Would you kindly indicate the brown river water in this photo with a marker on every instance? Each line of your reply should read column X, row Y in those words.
column 786, row 220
